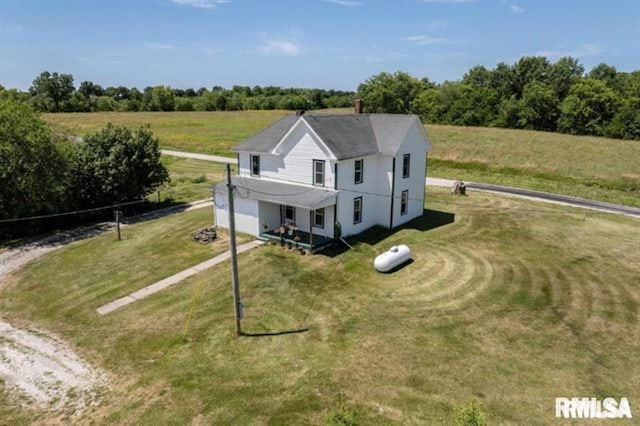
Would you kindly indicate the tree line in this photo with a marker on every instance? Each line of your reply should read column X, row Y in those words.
column 533, row 93
column 54, row 92
column 42, row 173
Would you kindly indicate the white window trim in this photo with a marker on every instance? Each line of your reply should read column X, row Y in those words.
column 404, row 202
column 408, row 174
column 315, row 212
column 251, row 157
column 355, row 171
column 360, row 210
column 324, row 165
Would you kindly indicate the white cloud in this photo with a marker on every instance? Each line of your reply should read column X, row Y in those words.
column 584, row 50
column 348, row 3
column 159, row 46
column 202, row 4
column 209, row 51
column 516, row 9
column 439, row 24
column 289, row 47
column 375, row 58
column 422, row 40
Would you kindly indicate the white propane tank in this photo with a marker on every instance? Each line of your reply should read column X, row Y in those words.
column 397, row 255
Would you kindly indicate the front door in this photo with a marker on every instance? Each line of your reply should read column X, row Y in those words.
column 288, row 215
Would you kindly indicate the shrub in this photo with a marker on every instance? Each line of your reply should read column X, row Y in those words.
column 470, row 414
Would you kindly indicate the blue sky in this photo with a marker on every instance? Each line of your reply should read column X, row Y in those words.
column 303, row 43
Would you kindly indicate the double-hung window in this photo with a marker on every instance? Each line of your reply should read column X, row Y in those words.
column 318, row 218
column 255, row 165
column 289, row 215
column 404, row 202
column 406, row 165
column 359, row 171
column 318, row 172
column 357, row 210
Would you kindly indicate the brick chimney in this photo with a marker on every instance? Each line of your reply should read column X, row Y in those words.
column 357, row 106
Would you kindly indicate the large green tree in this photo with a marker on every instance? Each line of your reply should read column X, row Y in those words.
column 563, row 73
column 390, row 93
column 538, row 107
column 528, row 69
column 116, row 165
column 588, row 108
column 51, row 92
column 626, row 122
column 32, row 167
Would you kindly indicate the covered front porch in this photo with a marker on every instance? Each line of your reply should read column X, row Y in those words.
column 298, row 239
column 300, row 216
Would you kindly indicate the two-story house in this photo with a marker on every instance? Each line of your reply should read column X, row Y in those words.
column 320, row 177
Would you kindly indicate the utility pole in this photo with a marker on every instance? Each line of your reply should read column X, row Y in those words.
column 234, row 255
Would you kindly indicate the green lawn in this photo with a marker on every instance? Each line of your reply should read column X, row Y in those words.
column 190, row 180
column 590, row 167
column 513, row 303
column 582, row 166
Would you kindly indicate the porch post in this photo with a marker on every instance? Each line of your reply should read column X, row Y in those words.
column 310, row 230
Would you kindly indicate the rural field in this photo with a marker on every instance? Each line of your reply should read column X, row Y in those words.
column 190, row 179
column 507, row 301
column 590, row 167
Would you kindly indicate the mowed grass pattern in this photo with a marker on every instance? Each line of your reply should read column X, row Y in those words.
column 583, row 166
column 513, row 303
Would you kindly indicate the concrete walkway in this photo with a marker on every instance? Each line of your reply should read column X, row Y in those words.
column 173, row 279
column 205, row 157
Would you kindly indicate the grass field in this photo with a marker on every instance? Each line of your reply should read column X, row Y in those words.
column 190, row 180
column 590, row 167
column 509, row 302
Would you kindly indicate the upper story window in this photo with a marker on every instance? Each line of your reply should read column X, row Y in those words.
column 359, row 171
column 406, row 165
column 318, row 172
column 255, row 165
column 404, row 202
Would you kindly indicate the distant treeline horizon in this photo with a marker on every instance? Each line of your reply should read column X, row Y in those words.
column 533, row 93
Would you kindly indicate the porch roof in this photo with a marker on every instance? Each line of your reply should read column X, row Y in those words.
column 290, row 194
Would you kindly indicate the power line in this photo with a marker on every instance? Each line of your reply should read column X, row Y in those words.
column 45, row 216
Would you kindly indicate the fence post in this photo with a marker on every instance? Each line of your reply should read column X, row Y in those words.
column 117, row 212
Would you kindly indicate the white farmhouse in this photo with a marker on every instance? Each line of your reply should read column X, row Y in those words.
column 310, row 179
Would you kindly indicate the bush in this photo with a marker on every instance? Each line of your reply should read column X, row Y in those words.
column 470, row 414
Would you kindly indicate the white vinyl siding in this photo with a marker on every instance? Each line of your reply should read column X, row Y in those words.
column 292, row 162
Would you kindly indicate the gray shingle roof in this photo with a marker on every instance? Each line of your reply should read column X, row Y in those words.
column 265, row 140
column 306, row 197
column 347, row 136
